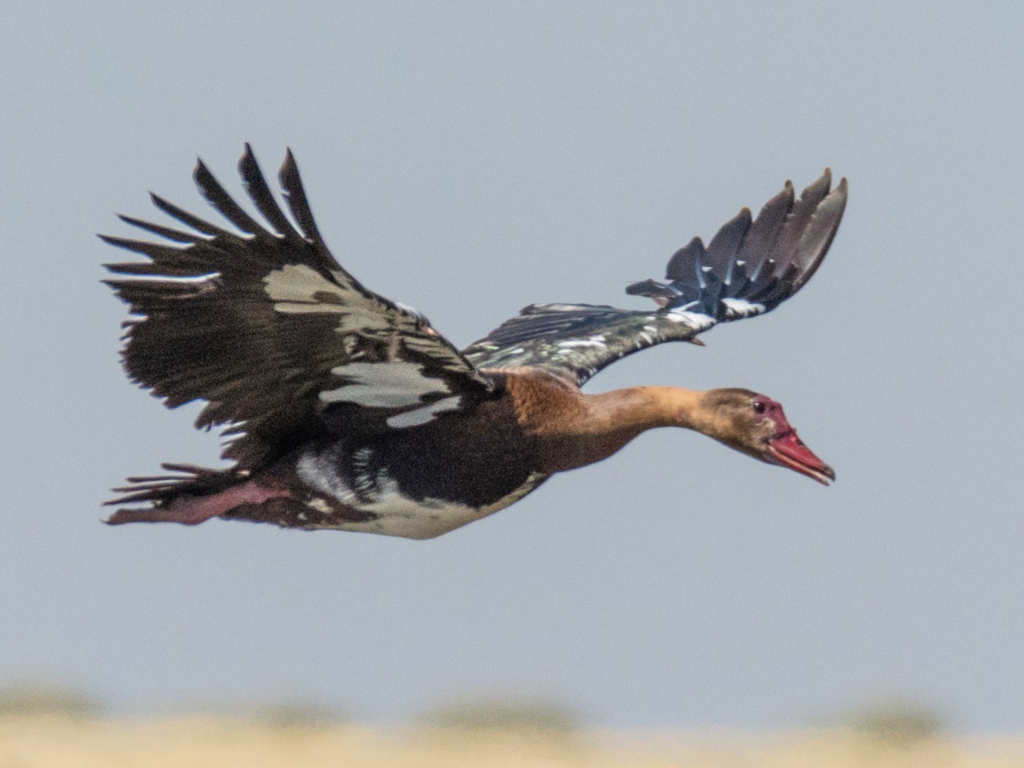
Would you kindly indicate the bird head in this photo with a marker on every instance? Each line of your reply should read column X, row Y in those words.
column 757, row 426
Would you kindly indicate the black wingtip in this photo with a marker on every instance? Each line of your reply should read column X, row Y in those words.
column 261, row 196
column 819, row 233
column 288, row 165
column 219, row 198
column 204, row 179
column 200, row 171
column 686, row 262
column 295, row 195
column 727, row 241
column 819, row 187
column 171, row 234
column 247, row 162
column 760, row 261
column 119, row 242
column 190, row 219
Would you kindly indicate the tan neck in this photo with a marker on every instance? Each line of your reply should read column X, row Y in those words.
column 575, row 429
column 637, row 409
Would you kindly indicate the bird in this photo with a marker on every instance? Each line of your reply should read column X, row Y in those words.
column 341, row 409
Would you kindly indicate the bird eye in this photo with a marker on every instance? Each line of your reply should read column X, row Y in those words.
column 758, row 406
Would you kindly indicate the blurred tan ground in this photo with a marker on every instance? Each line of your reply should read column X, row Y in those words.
column 202, row 742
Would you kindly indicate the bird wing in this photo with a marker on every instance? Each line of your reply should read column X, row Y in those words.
column 265, row 326
column 749, row 268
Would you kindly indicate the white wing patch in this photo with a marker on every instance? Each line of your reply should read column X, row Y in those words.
column 593, row 341
column 696, row 320
column 740, row 308
column 422, row 415
column 296, row 289
column 300, row 289
column 383, row 385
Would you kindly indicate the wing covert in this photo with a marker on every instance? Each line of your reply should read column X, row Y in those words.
column 575, row 341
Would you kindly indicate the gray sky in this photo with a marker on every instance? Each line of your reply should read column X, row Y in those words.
column 472, row 158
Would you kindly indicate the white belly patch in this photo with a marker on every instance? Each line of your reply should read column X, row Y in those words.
column 394, row 513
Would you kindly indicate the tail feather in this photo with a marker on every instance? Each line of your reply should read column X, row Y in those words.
column 161, row 492
column 194, row 495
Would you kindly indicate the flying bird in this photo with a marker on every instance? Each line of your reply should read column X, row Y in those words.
column 343, row 409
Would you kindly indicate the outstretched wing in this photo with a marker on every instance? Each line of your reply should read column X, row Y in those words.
column 271, row 331
column 749, row 268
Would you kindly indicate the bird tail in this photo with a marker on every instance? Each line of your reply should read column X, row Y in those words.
column 175, row 497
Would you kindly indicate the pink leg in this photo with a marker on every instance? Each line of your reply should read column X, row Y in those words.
column 192, row 510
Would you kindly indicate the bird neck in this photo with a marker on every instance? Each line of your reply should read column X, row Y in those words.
column 574, row 429
column 637, row 409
